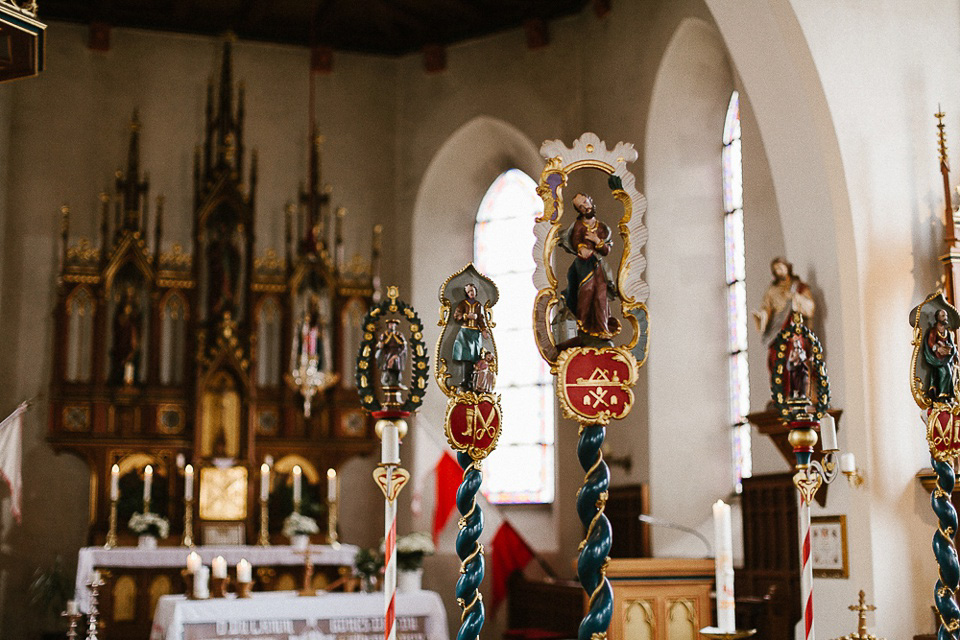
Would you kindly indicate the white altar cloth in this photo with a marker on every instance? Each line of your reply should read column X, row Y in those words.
column 91, row 558
column 283, row 615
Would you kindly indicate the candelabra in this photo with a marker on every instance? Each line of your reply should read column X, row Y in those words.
column 188, row 524
column 309, row 379
column 332, row 513
column 111, row 540
column 93, row 616
column 264, row 539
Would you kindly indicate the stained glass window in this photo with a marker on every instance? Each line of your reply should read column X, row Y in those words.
column 521, row 469
column 732, row 167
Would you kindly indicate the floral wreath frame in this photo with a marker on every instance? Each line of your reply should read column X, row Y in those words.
column 419, row 369
column 778, row 384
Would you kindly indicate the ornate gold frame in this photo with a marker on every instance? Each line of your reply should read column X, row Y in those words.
column 471, row 398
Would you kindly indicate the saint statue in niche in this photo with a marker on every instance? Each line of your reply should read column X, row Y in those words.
column 785, row 295
column 310, row 335
column 589, row 285
column 797, row 372
column 391, row 355
column 468, row 345
column 940, row 354
column 125, row 352
column 223, row 270
column 484, row 379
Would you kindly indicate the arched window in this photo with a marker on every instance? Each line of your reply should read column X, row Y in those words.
column 268, row 344
column 521, row 469
column 80, row 306
column 732, row 167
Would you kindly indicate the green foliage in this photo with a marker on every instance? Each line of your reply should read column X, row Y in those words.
column 368, row 563
column 49, row 590
column 311, row 504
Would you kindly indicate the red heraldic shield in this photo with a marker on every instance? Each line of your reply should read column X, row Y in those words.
column 473, row 424
column 943, row 432
column 596, row 383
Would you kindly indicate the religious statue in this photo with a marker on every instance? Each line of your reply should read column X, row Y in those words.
column 223, row 261
column 125, row 352
column 589, row 286
column 797, row 371
column 484, row 379
column 473, row 328
column 940, row 353
column 785, row 295
column 309, row 347
column 391, row 355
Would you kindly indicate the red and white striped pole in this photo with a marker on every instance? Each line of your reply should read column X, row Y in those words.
column 806, row 570
column 391, row 478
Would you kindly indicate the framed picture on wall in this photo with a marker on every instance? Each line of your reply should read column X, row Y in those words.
column 828, row 546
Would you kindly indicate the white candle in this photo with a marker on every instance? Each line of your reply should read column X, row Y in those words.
column 219, row 566
column 244, row 571
column 193, row 562
column 96, row 576
column 723, row 536
column 72, row 609
column 188, row 482
column 115, row 482
column 181, row 460
column 264, row 482
column 297, row 479
column 848, row 463
column 331, row 485
column 147, row 482
column 390, row 445
column 828, row 433
column 201, row 583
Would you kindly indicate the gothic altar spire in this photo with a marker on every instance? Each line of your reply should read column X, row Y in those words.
column 314, row 200
column 951, row 258
column 131, row 188
column 223, row 146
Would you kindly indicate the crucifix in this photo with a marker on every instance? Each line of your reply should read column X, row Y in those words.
column 861, row 608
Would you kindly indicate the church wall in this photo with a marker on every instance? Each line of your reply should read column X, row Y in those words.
column 67, row 130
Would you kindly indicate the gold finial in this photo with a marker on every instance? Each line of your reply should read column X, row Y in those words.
column 393, row 292
column 64, row 218
column 104, row 197
column 941, row 134
column 291, row 209
column 319, row 139
column 341, row 212
column 135, row 121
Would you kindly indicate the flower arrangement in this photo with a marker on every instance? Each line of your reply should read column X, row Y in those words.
column 412, row 549
column 297, row 524
column 149, row 524
column 368, row 564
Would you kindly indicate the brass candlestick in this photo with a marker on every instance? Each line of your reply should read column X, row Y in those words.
column 188, row 525
column 307, row 589
column 111, row 540
column 146, row 505
column 188, row 584
column 862, row 608
column 243, row 589
column 332, row 536
column 218, row 587
column 264, row 539
column 717, row 634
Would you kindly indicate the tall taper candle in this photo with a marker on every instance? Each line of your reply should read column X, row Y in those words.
column 115, row 482
column 188, row 482
column 331, row 485
column 264, row 482
column 726, row 614
column 297, row 479
column 147, row 482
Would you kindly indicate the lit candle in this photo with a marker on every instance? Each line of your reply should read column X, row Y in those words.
column 188, row 482
column 147, row 482
column 264, row 482
column 244, row 571
column 193, row 562
column 848, row 463
column 828, row 433
column 115, row 482
column 723, row 537
column 219, row 566
column 181, row 460
column 390, row 445
column 72, row 609
column 297, row 488
column 331, row 485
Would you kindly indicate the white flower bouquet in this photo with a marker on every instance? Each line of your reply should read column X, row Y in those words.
column 412, row 549
column 297, row 524
column 149, row 524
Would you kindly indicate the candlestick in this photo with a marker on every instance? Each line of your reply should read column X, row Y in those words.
column 73, row 615
column 115, row 482
column 93, row 622
column 147, row 487
column 264, row 539
column 264, row 482
column 111, row 540
column 297, row 487
column 188, row 483
column 188, row 523
column 723, row 536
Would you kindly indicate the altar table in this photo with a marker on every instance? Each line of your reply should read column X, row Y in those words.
column 283, row 615
column 91, row 558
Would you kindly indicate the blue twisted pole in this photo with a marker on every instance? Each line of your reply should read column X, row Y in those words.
column 943, row 547
column 469, row 550
column 595, row 548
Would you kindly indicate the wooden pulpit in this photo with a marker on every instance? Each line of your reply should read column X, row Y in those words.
column 660, row 598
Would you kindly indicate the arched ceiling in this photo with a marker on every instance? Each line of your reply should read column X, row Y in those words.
column 390, row 27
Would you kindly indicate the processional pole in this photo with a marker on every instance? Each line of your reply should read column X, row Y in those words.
column 466, row 369
column 802, row 403
column 575, row 332
column 387, row 352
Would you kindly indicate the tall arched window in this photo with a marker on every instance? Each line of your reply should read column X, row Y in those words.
column 521, row 469
column 732, row 167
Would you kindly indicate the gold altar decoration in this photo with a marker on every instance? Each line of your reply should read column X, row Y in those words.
column 861, row 609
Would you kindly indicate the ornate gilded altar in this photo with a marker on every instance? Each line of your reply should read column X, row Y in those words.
column 189, row 355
